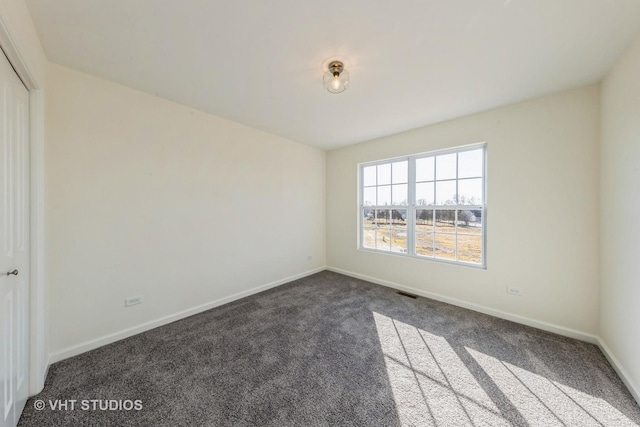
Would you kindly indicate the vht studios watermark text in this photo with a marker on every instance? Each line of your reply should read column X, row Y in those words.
column 88, row 405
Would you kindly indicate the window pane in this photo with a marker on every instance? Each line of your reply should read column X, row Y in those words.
column 384, row 174
column 445, row 245
column 470, row 163
column 399, row 193
column 383, row 240
column 470, row 191
column 470, row 222
column 384, row 195
column 424, row 169
column 369, row 176
column 445, row 221
column 368, row 218
column 399, row 241
column 399, row 218
column 400, row 172
column 424, row 193
column 369, row 196
column 470, row 249
column 445, row 193
column 424, row 220
column 424, row 244
column 369, row 238
column 446, row 166
column 382, row 218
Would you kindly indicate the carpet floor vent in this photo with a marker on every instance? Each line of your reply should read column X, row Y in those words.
column 406, row 294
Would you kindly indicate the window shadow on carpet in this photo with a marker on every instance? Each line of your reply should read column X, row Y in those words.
column 497, row 377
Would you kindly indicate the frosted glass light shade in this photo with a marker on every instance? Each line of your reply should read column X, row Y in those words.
column 336, row 78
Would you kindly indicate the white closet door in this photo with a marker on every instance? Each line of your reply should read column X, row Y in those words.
column 14, row 244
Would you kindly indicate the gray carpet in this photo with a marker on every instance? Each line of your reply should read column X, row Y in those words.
column 332, row 350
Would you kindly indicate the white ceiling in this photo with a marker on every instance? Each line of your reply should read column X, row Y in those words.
column 412, row 62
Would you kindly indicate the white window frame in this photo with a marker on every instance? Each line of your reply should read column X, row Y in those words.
column 411, row 207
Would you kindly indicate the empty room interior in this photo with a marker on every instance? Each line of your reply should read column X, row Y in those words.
column 299, row 213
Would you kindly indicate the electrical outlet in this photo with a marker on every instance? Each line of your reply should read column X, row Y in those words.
column 133, row 301
column 514, row 291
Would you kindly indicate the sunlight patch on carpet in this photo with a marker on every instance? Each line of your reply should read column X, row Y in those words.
column 430, row 384
column 545, row 402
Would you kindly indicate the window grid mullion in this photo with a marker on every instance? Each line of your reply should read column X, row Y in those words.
column 361, row 210
column 457, row 197
column 435, row 185
column 455, row 228
column 411, row 211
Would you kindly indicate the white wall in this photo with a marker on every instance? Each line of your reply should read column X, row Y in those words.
column 619, row 213
column 542, row 211
column 148, row 197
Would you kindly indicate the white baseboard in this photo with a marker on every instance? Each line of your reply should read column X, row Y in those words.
column 126, row 333
column 622, row 373
column 560, row 330
column 44, row 374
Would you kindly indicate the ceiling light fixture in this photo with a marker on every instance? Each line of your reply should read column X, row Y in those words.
column 336, row 78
